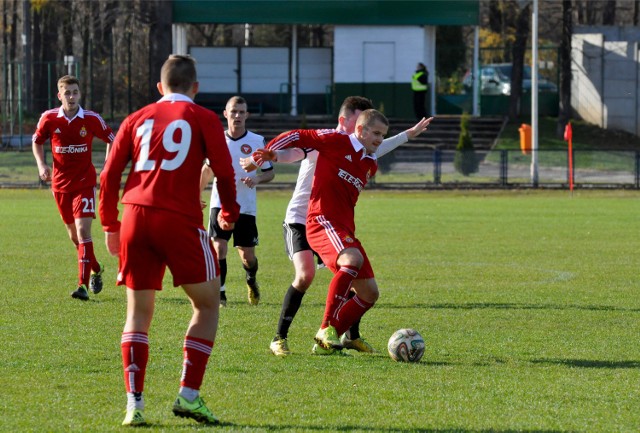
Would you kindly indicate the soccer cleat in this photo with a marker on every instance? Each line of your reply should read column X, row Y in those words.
column 223, row 298
column 358, row 344
column 195, row 410
column 321, row 351
column 95, row 280
column 134, row 418
column 328, row 338
column 279, row 346
column 80, row 293
column 253, row 291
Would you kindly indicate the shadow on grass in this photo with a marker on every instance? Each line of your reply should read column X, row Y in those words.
column 349, row 428
column 587, row 363
column 511, row 306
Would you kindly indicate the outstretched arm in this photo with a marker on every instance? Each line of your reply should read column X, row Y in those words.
column 290, row 155
column 391, row 143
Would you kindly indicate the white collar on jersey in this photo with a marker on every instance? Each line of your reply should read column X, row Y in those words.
column 79, row 114
column 175, row 97
column 357, row 146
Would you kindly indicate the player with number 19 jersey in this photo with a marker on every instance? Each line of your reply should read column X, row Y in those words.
column 167, row 149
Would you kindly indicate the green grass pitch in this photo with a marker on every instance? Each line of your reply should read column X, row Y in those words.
column 527, row 301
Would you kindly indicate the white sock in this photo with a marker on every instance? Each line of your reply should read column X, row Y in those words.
column 135, row 401
column 189, row 394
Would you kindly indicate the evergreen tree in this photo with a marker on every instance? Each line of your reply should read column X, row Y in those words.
column 465, row 160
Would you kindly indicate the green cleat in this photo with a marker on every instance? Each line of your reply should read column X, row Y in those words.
column 80, row 293
column 279, row 346
column 328, row 338
column 358, row 344
column 95, row 280
column 134, row 418
column 195, row 410
column 321, row 351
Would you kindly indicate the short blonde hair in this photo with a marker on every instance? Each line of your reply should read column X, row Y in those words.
column 67, row 80
column 370, row 116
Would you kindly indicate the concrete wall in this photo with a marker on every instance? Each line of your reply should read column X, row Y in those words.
column 605, row 77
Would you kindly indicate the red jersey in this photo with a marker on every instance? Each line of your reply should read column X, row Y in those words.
column 71, row 146
column 167, row 143
column 342, row 171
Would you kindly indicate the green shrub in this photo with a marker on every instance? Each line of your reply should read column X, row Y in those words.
column 465, row 160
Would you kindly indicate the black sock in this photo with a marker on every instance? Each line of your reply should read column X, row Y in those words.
column 223, row 271
column 252, row 270
column 354, row 330
column 290, row 306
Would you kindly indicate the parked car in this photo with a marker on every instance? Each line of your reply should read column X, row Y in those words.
column 495, row 79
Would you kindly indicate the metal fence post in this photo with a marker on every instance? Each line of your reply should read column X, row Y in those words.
column 437, row 166
column 637, row 169
column 504, row 167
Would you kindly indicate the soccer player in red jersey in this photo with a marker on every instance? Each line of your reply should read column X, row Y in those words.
column 162, row 226
column 71, row 129
column 344, row 166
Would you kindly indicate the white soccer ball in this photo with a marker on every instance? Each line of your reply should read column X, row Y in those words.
column 406, row 345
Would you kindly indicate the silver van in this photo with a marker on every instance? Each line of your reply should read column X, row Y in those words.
column 495, row 79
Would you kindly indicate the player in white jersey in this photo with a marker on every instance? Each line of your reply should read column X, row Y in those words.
column 296, row 245
column 241, row 143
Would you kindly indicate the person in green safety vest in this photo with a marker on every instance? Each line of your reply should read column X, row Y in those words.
column 419, row 86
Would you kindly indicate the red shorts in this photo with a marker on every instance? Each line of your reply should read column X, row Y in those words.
column 329, row 241
column 76, row 204
column 152, row 239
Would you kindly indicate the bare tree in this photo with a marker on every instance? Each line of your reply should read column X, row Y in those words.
column 564, row 114
column 519, row 48
column 609, row 13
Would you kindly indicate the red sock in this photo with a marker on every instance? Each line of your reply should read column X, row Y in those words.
column 350, row 312
column 196, row 355
column 338, row 293
column 135, row 354
column 86, row 261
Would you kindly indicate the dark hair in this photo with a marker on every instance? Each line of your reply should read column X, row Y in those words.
column 353, row 103
column 178, row 73
column 236, row 100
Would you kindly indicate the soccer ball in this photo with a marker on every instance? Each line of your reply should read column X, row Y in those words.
column 406, row 345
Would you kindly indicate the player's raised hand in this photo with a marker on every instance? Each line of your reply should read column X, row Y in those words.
column 418, row 128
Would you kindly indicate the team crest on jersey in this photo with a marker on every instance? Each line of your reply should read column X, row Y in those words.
column 83, row 132
column 348, row 239
column 246, row 149
column 348, row 158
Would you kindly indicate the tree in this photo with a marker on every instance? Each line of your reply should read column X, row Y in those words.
column 519, row 48
column 609, row 13
column 564, row 114
column 465, row 160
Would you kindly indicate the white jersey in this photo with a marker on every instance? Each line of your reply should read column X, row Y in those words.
column 299, row 203
column 241, row 148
